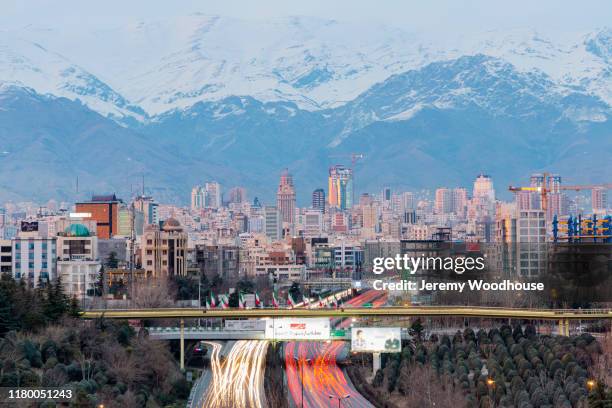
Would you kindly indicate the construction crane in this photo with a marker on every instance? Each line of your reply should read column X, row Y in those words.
column 545, row 189
column 355, row 157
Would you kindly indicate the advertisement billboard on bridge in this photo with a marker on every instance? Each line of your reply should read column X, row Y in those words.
column 298, row 329
column 376, row 339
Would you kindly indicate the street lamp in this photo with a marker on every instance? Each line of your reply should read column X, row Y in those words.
column 491, row 385
column 339, row 398
column 306, row 360
column 591, row 384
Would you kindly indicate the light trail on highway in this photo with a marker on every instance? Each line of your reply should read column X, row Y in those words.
column 317, row 362
column 238, row 381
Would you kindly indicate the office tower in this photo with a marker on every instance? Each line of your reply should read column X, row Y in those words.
column 104, row 209
column 213, row 194
column 318, row 200
column 148, row 207
column 340, row 187
column 272, row 223
column 285, row 197
column 198, row 198
column 237, row 195
column 444, row 201
column 386, row 194
column 408, row 200
column 460, row 200
column 483, row 188
column 599, row 199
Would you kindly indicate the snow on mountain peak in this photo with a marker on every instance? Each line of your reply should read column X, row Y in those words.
column 315, row 63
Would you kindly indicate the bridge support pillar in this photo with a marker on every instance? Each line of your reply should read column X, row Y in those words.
column 564, row 327
column 182, row 341
column 375, row 363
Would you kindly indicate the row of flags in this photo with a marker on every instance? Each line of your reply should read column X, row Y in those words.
column 223, row 301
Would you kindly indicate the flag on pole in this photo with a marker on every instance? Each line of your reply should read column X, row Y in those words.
column 213, row 302
column 241, row 301
column 290, row 301
column 257, row 300
column 274, row 300
column 320, row 301
column 305, row 300
column 207, row 304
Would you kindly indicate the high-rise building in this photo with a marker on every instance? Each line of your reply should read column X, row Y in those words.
column 599, row 199
column 272, row 223
column 444, row 201
column 213, row 194
column 408, row 200
column 318, row 200
column 34, row 255
column 104, row 210
column 460, row 199
column 386, row 194
column 237, row 195
column 483, row 188
column 340, row 187
column 285, row 197
column 198, row 198
column 164, row 251
column 149, row 208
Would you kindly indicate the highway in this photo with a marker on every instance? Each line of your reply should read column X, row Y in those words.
column 238, row 380
column 314, row 365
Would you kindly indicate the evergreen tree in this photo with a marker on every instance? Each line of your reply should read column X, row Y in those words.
column 56, row 302
column 8, row 321
column 112, row 261
column 99, row 288
column 74, row 309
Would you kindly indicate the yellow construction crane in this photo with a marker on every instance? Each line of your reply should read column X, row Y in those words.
column 545, row 189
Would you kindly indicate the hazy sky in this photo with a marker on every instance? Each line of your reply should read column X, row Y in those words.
column 432, row 15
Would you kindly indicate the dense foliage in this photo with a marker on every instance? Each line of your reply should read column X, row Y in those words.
column 505, row 367
column 42, row 345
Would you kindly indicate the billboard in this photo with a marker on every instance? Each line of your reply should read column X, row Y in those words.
column 29, row 226
column 245, row 325
column 298, row 329
column 376, row 339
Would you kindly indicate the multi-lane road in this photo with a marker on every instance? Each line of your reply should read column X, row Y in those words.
column 238, row 379
column 312, row 368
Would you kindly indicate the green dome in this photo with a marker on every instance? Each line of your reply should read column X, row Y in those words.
column 77, row 230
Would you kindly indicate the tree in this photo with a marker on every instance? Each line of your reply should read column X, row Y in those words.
column 245, row 286
column 56, row 302
column 295, row 291
column 416, row 329
column 112, row 261
column 74, row 310
column 217, row 281
column 99, row 288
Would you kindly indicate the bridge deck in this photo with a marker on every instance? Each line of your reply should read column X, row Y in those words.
column 460, row 311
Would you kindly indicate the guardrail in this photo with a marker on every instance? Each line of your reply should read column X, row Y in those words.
column 461, row 311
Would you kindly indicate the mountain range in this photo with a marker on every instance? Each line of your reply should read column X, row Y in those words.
column 199, row 98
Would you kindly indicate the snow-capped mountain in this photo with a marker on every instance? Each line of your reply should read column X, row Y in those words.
column 31, row 65
column 208, row 97
column 315, row 63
